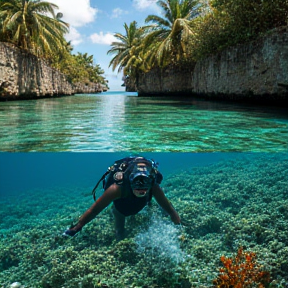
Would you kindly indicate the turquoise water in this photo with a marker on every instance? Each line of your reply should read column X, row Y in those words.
column 225, row 200
column 116, row 121
column 49, row 170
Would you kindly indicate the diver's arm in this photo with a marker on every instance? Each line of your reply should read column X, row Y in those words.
column 110, row 194
column 165, row 203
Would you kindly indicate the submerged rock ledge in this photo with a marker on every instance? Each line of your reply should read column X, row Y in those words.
column 24, row 76
column 255, row 71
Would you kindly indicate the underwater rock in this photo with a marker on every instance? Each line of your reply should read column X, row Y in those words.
column 16, row 285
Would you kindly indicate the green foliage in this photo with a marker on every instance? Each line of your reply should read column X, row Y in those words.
column 248, row 18
column 191, row 30
column 168, row 39
column 33, row 26
column 126, row 50
column 226, row 23
column 79, row 68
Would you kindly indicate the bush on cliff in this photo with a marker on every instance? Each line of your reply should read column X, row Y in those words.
column 229, row 22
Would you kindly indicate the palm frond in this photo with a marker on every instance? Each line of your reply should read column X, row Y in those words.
column 32, row 25
column 167, row 41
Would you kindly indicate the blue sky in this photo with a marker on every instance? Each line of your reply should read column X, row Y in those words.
column 94, row 22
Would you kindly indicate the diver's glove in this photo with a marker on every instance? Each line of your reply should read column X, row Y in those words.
column 71, row 232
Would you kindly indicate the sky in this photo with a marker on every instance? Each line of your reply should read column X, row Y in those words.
column 93, row 24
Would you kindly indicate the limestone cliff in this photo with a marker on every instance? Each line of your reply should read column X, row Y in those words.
column 256, row 70
column 24, row 76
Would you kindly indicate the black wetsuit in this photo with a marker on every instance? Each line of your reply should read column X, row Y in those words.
column 129, row 204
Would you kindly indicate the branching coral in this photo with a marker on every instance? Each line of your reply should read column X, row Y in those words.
column 241, row 272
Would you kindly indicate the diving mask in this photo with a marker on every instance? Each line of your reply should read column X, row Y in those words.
column 141, row 180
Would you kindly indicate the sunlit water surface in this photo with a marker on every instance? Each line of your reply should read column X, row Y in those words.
column 118, row 121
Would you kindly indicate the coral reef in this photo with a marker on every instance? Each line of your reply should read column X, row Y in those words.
column 243, row 271
column 239, row 201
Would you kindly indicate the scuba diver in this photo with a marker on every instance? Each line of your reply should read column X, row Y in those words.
column 130, row 184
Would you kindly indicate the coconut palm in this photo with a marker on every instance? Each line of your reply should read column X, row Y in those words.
column 168, row 39
column 32, row 25
column 126, row 50
column 129, row 54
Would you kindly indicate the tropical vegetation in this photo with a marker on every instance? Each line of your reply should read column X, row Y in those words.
column 192, row 29
column 34, row 26
column 128, row 50
column 168, row 36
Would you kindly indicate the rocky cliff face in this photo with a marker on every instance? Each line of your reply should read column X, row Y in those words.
column 169, row 81
column 257, row 70
column 24, row 76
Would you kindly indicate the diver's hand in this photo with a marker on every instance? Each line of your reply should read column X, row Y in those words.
column 175, row 218
column 71, row 232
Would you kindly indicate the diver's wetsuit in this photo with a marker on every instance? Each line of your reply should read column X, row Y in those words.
column 129, row 204
column 119, row 191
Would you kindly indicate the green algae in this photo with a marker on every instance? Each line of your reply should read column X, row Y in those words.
column 241, row 201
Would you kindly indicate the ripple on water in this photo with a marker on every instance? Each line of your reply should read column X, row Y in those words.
column 118, row 122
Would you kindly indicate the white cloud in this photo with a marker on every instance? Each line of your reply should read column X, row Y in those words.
column 117, row 12
column 74, row 36
column 144, row 4
column 76, row 12
column 101, row 38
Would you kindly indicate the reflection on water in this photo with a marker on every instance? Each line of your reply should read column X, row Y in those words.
column 111, row 122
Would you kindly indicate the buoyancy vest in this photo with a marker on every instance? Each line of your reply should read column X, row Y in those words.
column 119, row 174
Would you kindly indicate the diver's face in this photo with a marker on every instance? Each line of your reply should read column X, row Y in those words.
column 140, row 192
column 141, row 186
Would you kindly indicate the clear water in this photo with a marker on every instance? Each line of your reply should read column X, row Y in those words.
column 49, row 170
column 225, row 200
column 41, row 194
column 117, row 121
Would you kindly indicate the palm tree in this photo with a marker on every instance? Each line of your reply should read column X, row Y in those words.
column 32, row 25
column 128, row 52
column 127, row 49
column 93, row 71
column 168, row 39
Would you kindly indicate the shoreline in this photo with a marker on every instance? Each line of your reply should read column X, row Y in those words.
column 253, row 72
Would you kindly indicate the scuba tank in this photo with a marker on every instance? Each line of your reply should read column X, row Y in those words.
column 118, row 171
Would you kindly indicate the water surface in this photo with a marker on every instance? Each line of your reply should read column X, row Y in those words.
column 118, row 121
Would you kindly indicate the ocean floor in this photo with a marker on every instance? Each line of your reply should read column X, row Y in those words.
column 237, row 202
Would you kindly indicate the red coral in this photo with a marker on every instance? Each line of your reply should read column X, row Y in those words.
column 241, row 272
